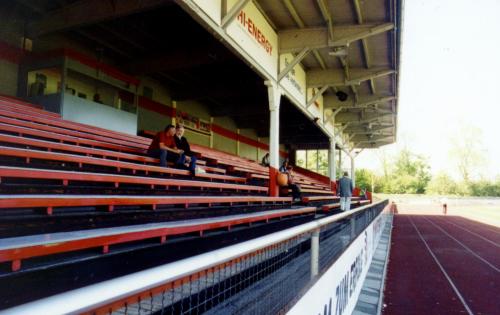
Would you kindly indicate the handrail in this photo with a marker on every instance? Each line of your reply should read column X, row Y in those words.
column 104, row 293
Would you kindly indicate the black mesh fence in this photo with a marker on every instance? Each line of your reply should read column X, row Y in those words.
column 267, row 281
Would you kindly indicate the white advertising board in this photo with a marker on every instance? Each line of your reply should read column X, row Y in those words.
column 295, row 80
column 254, row 34
column 337, row 291
column 212, row 8
column 317, row 108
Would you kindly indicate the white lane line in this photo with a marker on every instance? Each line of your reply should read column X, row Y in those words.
column 484, row 226
column 464, row 246
column 460, row 297
column 473, row 233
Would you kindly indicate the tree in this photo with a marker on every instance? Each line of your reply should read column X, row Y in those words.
column 365, row 178
column 467, row 151
column 442, row 184
column 411, row 173
column 406, row 173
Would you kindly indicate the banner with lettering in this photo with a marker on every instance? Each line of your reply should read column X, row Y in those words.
column 295, row 80
column 337, row 291
column 317, row 107
column 255, row 35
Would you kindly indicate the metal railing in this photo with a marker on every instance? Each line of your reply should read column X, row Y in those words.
column 265, row 275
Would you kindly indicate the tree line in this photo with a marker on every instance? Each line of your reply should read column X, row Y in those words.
column 409, row 173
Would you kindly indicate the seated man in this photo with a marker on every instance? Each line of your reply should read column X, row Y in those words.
column 163, row 147
column 182, row 143
column 287, row 169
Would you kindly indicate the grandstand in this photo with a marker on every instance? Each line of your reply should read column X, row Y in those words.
column 90, row 223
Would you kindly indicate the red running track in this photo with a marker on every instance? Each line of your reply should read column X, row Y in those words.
column 442, row 265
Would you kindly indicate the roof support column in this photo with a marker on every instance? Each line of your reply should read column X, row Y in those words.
column 353, row 171
column 274, row 94
column 332, row 167
column 340, row 162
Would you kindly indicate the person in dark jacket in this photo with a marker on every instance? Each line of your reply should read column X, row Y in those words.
column 182, row 143
column 345, row 192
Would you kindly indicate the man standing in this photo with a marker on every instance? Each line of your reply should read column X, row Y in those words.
column 345, row 192
column 182, row 143
column 163, row 146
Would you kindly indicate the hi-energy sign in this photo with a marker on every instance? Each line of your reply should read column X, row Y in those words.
column 255, row 32
column 252, row 32
column 337, row 291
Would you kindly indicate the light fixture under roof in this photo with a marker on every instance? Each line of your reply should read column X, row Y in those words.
column 339, row 51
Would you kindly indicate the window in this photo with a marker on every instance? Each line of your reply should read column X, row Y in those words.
column 313, row 160
column 44, row 82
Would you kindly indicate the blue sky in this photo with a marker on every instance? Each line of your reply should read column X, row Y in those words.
column 449, row 81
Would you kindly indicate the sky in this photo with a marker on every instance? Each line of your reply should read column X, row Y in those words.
column 449, row 82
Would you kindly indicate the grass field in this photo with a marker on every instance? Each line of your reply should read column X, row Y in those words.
column 484, row 210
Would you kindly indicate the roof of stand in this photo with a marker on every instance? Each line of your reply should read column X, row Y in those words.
column 353, row 48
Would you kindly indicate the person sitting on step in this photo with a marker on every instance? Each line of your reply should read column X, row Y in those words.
column 182, row 143
column 163, row 147
column 287, row 169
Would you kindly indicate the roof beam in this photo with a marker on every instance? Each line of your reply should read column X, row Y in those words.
column 372, row 139
column 105, row 43
column 358, row 129
column 315, row 97
column 319, row 78
column 182, row 59
column 295, row 16
column 294, row 40
column 331, row 117
column 355, row 118
column 293, row 12
column 331, row 101
column 369, row 132
column 298, row 58
column 233, row 12
column 364, row 43
column 326, row 16
column 77, row 14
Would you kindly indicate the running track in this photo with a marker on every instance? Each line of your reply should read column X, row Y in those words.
column 442, row 265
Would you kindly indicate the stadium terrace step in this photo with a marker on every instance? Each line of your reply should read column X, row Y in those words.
column 53, row 201
column 246, row 169
column 317, row 191
column 307, row 199
column 30, row 116
column 28, row 109
column 118, row 165
column 122, row 144
column 355, row 203
column 67, row 176
column 257, row 176
column 116, row 156
column 20, row 130
column 15, row 249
